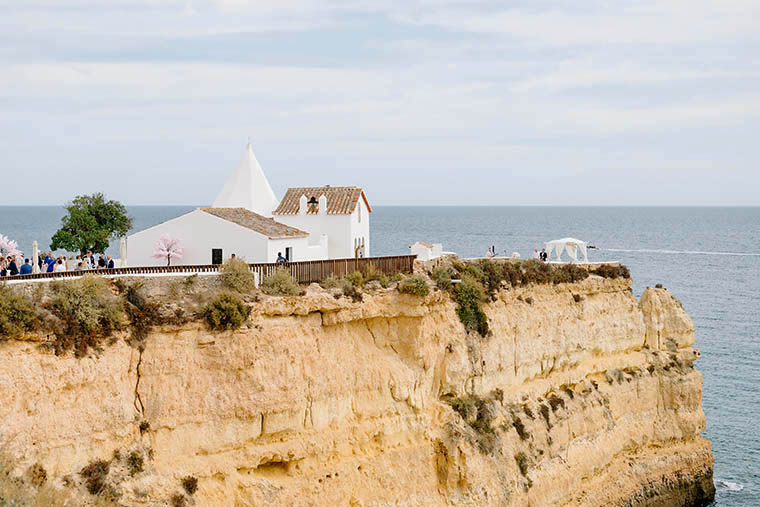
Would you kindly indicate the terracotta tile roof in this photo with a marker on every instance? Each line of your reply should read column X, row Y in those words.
column 250, row 220
column 340, row 200
column 428, row 245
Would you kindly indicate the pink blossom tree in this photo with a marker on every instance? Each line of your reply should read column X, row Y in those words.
column 9, row 248
column 169, row 248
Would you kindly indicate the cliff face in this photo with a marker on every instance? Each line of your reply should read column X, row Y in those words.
column 581, row 396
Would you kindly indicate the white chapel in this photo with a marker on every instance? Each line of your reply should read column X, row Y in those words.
column 247, row 219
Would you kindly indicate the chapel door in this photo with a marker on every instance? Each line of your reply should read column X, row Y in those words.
column 216, row 256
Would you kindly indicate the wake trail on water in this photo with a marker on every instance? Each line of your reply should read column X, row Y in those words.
column 680, row 252
column 729, row 485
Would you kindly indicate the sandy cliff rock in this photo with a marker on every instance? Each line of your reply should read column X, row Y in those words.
column 326, row 402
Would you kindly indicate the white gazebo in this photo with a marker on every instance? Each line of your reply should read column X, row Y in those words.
column 569, row 245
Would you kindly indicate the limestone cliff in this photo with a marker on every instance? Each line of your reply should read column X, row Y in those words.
column 580, row 396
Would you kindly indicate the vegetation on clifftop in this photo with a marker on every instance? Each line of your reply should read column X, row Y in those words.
column 226, row 311
column 479, row 281
column 281, row 283
column 17, row 314
column 86, row 312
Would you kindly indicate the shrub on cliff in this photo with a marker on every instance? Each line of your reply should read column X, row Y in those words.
column 535, row 271
column 372, row 274
column 143, row 314
column 478, row 414
column 94, row 475
column 442, row 278
column 350, row 290
column 356, row 279
column 225, row 311
column 331, row 282
column 568, row 273
column 608, row 271
column 522, row 463
column 281, row 283
column 237, row 275
column 17, row 314
column 469, row 297
column 415, row 285
column 190, row 484
column 87, row 312
column 135, row 463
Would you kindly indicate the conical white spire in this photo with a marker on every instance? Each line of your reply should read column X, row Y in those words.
column 248, row 188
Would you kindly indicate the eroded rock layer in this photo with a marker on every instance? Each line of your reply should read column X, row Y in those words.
column 580, row 396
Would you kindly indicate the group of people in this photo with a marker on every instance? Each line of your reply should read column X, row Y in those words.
column 542, row 255
column 50, row 264
column 9, row 266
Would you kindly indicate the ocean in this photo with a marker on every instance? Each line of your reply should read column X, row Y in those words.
column 707, row 257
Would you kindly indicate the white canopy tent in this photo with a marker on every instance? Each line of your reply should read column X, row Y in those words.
column 569, row 245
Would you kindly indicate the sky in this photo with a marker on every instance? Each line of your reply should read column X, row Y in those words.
column 446, row 102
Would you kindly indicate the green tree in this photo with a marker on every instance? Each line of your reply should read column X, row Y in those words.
column 90, row 223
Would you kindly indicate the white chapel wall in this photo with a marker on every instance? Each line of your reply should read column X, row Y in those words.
column 199, row 232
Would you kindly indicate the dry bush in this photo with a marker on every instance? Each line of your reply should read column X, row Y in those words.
column 237, row 275
column 331, row 282
column 143, row 314
column 356, row 279
column 478, row 413
column 522, row 463
column 17, row 314
column 608, row 271
column 415, row 285
column 442, row 278
column 225, row 311
column 95, row 475
column 520, row 428
column 568, row 273
column 536, row 271
column 135, row 463
column 281, row 283
column 190, row 484
column 350, row 290
column 371, row 273
column 87, row 311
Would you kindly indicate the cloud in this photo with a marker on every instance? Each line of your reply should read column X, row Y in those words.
column 358, row 92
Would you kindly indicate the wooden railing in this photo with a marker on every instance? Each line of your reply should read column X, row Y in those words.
column 303, row 271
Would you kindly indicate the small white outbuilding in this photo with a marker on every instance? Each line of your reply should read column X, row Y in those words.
column 426, row 251
column 570, row 245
